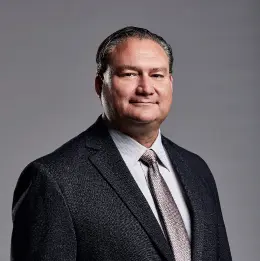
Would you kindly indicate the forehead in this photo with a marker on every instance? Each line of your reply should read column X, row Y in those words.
column 138, row 52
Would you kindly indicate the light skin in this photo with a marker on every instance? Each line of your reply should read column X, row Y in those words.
column 136, row 89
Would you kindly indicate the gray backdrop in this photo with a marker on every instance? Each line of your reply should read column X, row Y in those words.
column 47, row 68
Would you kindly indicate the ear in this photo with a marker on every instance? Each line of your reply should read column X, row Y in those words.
column 98, row 85
column 172, row 81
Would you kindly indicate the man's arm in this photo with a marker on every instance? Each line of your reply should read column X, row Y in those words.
column 223, row 244
column 224, row 253
column 42, row 225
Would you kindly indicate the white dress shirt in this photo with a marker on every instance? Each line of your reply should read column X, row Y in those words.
column 131, row 151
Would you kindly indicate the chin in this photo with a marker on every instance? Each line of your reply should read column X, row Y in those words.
column 142, row 119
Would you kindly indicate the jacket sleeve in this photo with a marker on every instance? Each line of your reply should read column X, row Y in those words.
column 224, row 253
column 223, row 244
column 42, row 226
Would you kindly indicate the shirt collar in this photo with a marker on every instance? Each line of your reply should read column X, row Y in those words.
column 131, row 150
column 158, row 148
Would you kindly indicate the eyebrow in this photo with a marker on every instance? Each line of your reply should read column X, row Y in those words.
column 136, row 68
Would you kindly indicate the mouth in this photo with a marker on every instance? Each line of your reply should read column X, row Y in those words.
column 143, row 102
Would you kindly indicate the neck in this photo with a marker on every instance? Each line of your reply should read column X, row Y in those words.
column 142, row 133
column 146, row 139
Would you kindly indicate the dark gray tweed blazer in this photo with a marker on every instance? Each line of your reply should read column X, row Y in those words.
column 81, row 203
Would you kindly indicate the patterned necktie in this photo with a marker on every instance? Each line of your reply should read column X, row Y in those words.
column 167, row 208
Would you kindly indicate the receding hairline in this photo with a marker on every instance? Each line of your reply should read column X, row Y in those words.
column 141, row 38
column 112, row 41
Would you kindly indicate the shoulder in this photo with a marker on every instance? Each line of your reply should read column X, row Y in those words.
column 196, row 163
column 60, row 170
column 65, row 155
column 59, row 163
column 184, row 153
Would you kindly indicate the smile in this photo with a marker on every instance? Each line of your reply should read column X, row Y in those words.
column 140, row 102
column 143, row 103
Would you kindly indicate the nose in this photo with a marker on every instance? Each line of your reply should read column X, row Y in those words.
column 145, row 86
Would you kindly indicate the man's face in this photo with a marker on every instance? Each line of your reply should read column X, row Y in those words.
column 137, row 86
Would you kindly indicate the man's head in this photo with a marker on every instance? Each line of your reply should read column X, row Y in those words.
column 134, row 78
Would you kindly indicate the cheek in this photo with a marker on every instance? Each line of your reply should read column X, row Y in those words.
column 169, row 97
column 166, row 96
column 122, row 91
column 120, row 100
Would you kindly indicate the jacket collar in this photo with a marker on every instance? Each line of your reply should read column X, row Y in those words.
column 111, row 166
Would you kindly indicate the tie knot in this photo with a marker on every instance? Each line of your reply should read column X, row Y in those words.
column 149, row 157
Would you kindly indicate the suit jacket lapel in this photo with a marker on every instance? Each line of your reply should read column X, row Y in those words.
column 192, row 186
column 110, row 164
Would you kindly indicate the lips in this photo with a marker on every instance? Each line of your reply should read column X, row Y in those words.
column 145, row 102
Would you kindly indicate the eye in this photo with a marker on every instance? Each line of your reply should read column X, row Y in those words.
column 157, row 75
column 129, row 74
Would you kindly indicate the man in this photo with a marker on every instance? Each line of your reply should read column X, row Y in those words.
column 121, row 190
